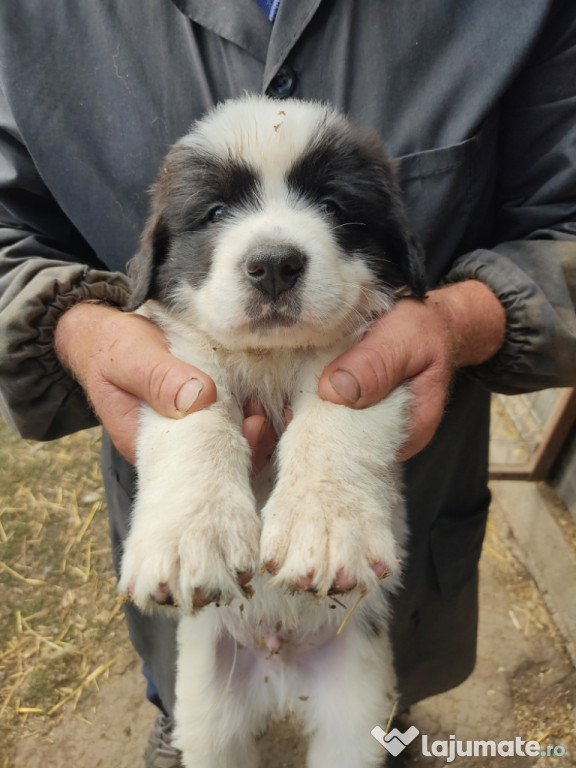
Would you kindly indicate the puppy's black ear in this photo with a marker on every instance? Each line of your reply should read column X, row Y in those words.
column 144, row 265
column 405, row 251
column 413, row 267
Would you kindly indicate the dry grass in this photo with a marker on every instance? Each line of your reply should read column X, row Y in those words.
column 542, row 688
column 62, row 623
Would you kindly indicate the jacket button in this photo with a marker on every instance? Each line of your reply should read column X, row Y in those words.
column 283, row 83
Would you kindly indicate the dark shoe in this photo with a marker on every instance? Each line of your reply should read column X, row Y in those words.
column 160, row 753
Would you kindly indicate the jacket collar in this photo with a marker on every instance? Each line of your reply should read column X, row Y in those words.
column 243, row 23
column 239, row 21
column 292, row 19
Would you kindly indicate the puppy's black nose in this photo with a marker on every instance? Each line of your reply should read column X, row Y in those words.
column 275, row 269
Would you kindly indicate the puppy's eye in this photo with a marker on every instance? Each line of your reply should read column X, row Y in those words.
column 330, row 208
column 217, row 213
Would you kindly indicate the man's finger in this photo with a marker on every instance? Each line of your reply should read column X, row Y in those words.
column 363, row 375
column 262, row 440
column 427, row 408
column 140, row 363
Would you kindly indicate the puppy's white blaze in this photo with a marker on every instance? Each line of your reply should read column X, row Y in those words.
column 261, row 132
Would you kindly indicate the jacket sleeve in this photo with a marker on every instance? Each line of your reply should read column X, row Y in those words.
column 532, row 268
column 45, row 267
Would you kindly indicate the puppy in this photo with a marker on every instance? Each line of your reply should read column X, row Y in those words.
column 276, row 237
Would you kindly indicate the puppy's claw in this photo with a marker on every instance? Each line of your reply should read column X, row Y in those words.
column 163, row 595
column 271, row 566
column 248, row 591
column 200, row 598
column 306, row 583
column 343, row 582
column 244, row 577
column 381, row 569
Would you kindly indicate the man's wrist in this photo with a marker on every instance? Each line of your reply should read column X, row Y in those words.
column 75, row 327
column 475, row 321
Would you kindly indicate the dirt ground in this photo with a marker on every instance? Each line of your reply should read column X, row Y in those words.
column 524, row 684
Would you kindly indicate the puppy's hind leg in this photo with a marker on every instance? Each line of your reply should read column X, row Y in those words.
column 215, row 718
column 353, row 693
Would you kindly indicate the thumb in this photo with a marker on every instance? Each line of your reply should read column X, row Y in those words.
column 142, row 365
column 362, row 376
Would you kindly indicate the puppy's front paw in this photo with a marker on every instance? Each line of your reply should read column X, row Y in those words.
column 326, row 540
column 205, row 553
column 218, row 553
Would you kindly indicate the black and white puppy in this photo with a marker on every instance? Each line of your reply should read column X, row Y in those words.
column 276, row 237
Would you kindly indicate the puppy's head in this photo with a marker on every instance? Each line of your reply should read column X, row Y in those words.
column 276, row 223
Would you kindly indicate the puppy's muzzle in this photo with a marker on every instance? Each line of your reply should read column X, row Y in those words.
column 274, row 270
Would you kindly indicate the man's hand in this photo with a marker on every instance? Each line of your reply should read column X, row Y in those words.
column 423, row 342
column 120, row 359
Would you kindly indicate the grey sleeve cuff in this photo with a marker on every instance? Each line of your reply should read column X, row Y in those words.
column 38, row 397
column 535, row 282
